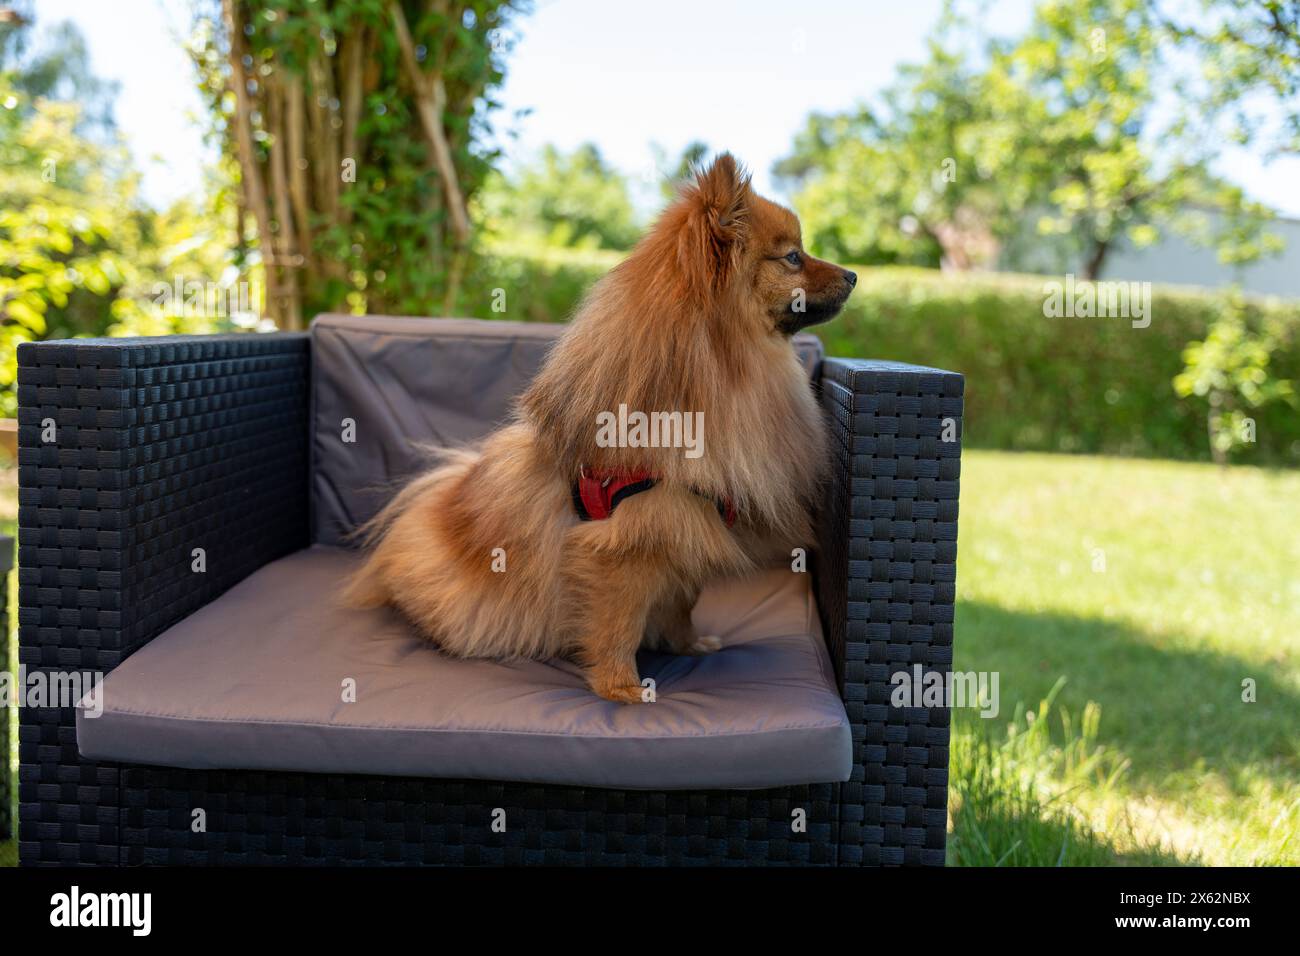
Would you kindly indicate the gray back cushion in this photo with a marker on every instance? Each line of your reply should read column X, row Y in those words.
column 393, row 385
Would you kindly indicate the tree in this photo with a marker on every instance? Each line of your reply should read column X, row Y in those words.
column 79, row 254
column 561, row 199
column 358, row 127
column 1229, row 370
column 1059, row 126
column 1113, row 171
column 680, row 170
column 59, row 71
column 920, row 180
column 1249, row 47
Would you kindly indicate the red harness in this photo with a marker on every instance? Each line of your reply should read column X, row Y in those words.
column 597, row 493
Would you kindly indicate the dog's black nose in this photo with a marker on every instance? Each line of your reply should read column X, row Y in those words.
column 851, row 278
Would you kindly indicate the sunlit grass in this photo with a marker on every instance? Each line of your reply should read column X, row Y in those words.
column 1155, row 589
column 1016, row 792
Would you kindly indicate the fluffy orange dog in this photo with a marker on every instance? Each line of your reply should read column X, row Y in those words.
column 697, row 319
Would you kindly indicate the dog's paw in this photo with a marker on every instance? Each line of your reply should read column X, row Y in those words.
column 705, row 644
column 625, row 694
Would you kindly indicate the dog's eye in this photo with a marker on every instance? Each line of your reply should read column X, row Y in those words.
column 794, row 258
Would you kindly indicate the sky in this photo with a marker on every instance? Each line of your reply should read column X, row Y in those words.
column 625, row 74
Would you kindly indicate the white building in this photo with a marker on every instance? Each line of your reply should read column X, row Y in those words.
column 1173, row 260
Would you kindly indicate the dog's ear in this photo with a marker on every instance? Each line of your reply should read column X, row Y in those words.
column 716, row 225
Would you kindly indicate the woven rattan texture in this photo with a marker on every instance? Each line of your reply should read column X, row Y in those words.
column 153, row 475
column 6, row 785
column 304, row 819
column 887, row 586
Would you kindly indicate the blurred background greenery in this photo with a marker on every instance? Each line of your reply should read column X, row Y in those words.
column 357, row 163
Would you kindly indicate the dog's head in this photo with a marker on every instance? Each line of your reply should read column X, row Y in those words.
column 733, row 244
column 702, row 305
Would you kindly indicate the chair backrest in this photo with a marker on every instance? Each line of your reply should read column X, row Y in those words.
column 383, row 386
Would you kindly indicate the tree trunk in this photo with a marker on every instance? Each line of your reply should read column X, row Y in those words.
column 294, row 122
column 352, row 54
column 286, row 255
column 1217, row 454
column 431, row 102
column 1096, row 259
column 250, row 174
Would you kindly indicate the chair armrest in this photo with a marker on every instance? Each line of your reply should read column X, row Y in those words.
column 160, row 446
column 886, row 573
column 6, row 564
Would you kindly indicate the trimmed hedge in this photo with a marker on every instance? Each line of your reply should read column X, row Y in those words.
column 1061, row 384
column 1033, row 383
column 536, row 285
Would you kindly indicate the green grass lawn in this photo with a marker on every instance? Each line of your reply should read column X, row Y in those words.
column 1152, row 590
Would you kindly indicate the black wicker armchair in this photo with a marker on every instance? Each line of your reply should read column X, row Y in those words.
column 162, row 442
column 6, row 793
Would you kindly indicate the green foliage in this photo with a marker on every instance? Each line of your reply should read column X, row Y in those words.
column 574, row 200
column 1229, row 369
column 63, row 229
column 65, row 219
column 1057, row 128
column 357, row 206
column 1032, row 383
column 672, row 172
column 59, row 70
column 1252, row 53
column 925, row 177
column 78, row 255
column 1112, row 169
column 1056, row 384
column 536, row 285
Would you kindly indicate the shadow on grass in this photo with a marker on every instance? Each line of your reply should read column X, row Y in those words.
column 1006, row 833
column 1013, row 790
column 1165, row 708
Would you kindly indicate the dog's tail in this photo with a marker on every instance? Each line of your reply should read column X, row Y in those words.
column 368, row 586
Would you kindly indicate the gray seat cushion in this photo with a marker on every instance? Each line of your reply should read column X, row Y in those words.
column 255, row 680
column 407, row 382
